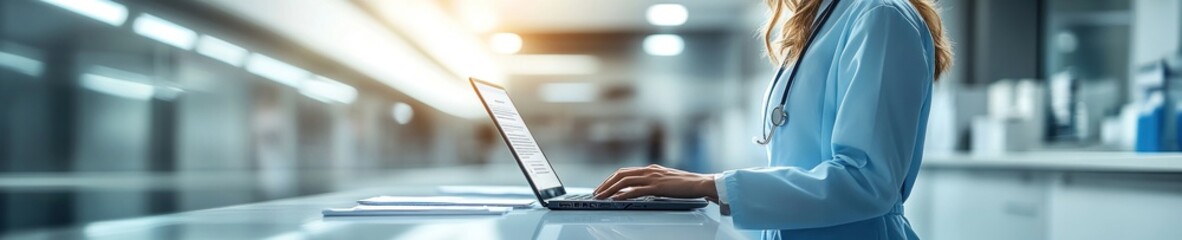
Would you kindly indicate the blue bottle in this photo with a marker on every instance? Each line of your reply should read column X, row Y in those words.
column 1150, row 123
column 1151, row 82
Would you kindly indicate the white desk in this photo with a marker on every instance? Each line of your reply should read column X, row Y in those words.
column 299, row 218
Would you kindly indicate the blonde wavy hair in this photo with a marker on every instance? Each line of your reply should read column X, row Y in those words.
column 795, row 30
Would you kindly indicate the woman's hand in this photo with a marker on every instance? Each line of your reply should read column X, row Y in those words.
column 656, row 180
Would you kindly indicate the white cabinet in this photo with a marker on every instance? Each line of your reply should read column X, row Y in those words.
column 985, row 205
column 1116, row 206
column 982, row 199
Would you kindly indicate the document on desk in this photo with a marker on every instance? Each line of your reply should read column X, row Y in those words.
column 447, row 201
column 499, row 191
column 365, row 210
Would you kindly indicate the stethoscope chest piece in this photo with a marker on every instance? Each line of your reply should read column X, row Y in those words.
column 778, row 116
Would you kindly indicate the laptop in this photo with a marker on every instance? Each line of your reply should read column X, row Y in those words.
column 541, row 175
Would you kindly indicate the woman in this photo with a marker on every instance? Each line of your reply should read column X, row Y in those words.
column 845, row 153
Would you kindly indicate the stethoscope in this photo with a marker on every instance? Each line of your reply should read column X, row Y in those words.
column 779, row 116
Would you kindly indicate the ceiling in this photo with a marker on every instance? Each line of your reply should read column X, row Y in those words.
column 438, row 43
column 551, row 16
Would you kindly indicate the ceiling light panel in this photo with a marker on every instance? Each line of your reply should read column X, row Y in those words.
column 667, row 14
column 164, row 31
column 102, row 10
column 664, row 45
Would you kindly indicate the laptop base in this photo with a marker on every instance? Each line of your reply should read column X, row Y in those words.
column 626, row 205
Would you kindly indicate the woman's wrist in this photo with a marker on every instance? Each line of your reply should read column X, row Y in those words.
column 706, row 186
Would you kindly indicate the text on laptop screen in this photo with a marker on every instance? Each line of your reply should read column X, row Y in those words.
column 519, row 137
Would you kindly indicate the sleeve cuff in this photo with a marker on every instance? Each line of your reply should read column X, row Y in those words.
column 720, row 186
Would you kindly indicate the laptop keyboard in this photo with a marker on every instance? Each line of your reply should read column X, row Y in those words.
column 591, row 197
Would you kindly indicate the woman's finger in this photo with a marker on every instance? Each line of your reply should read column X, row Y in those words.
column 613, row 178
column 619, row 174
column 634, row 192
column 622, row 183
column 625, row 182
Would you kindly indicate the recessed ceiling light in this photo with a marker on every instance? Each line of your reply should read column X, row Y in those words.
column 164, row 31
column 667, row 14
column 276, row 70
column 402, row 113
column 22, row 64
column 105, row 11
column 117, row 83
column 221, row 50
column 328, row 90
column 21, row 59
column 663, row 45
column 505, row 43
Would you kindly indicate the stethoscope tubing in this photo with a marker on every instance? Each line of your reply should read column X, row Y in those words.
column 780, row 109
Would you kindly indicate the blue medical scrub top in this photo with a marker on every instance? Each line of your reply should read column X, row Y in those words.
column 845, row 162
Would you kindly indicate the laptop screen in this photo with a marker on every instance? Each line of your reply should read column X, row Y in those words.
column 518, row 136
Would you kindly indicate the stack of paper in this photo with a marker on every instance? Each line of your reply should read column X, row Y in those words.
column 363, row 210
column 500, row 191
column 431, row 205
column 447, row 201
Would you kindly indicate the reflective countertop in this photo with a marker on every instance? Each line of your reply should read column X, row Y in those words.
column 1091, row 161
column 300, row 218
